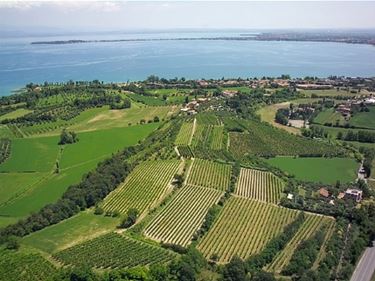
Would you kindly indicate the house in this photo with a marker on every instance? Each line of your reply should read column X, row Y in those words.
column 323, row 192
column 290, row 196
column 229, row 93
column 354, row 194
column 341, row 195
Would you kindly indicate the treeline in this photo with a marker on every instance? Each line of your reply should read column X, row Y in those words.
column 360, row 136
column 369, row 156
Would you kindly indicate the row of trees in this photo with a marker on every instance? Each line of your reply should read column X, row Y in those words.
column 360, row 136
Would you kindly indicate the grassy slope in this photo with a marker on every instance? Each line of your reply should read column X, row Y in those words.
column 81, row 227
column 37, row 154
column 77, row 159
column 329, row 116
column 325, row 170
column 15, row 114
column 364, row 119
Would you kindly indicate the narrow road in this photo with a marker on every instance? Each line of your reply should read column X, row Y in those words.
column 366, row 266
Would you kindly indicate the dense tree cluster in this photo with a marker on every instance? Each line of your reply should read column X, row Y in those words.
column 68, row 137
column 360, row 136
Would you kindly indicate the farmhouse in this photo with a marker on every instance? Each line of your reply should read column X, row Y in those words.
column 229, row 93
column 323, row 192
column 354, row 194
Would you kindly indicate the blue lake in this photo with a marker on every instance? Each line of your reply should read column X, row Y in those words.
column 21, row 62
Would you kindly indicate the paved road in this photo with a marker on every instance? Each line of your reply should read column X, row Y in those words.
column 366, row 266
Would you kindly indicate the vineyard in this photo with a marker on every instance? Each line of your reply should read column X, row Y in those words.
column 208, row 137
column 5, row 146
column 209, row 174
column 114, row 251
column 144, row 186
column 185, row 151
column 185, row 134
column 243, row 228
column 264, row 140
column 207, row 118
column 216, row 142
column 258, row 185
column 311, row 225
column 182, row 217
column 16, row 266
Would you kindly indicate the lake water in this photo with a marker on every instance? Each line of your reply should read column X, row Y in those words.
column 21, row 62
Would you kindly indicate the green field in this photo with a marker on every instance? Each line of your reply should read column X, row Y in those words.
column 364, row 119
column 36, row 154
column 325, row 170
column 330, row 116
column 15, row 114
column 76, row 229
column 34, row 190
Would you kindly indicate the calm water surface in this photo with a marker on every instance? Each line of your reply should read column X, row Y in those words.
column 21, row 63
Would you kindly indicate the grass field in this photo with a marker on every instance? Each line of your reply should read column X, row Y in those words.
column 259, row 185
column 97, row 144
column 74, row 230
column 29, row 193
column 364, row 119
column 182, row 217
column 36, row 154
column 328, row 93
column 15, row 114
column 331, row 116
column 325, row 170
column 243, row 228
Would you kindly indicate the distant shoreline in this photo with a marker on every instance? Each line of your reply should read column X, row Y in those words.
column 263, row 37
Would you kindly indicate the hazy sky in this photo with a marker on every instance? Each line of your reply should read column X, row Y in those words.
column 117, row 15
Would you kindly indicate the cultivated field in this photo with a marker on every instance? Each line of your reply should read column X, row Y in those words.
column 209, row 174
column 243, row 228
column 185, row 134
column 325, row 170
column 16, row 266
column 107, row 251
column 183, row 216
column 310, row 226
column 66, row 233
column 258, row 185
column 147, row 184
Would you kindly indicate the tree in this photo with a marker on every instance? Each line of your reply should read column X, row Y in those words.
column 12, row 243
column 156, row 119
column 68, row 137
column 235, row 270
column 130, row 219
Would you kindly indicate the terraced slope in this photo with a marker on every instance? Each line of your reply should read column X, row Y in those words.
column 258, row 185
column 209, row 174
column 143, row 187
column 183, row 216
column 114, row 251
column 243, row 228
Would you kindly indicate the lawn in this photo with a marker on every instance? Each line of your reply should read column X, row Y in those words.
column 15, row 114
column 32, row 154
column 81, row 227
column 324, row 170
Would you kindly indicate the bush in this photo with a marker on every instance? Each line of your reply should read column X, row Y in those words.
column 130, row 219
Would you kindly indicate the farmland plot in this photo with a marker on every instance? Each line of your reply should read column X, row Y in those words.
column 185, row 134
column 210, row 174
column 243, row 228
column 216, row 139
column 144, row 186
column 183, row 216
column 263, row 186
column 114, row 251
column 311, row 225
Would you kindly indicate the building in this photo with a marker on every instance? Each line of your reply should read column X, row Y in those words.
column 323, row 192
column 354, row 194
column 229, row 93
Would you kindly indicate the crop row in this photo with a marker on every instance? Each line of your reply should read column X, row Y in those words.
column 183, row 216
column 5, row 148
column 243, row 228
column 114, row 251
column 184, row 135
column 263, row 186
column 15, row 266
column 207, row 118
column 265, row 140
column 209, row 174
column 143, row 187
column 216, row 141
column 311, row 225
column 185, row 151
